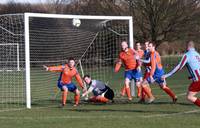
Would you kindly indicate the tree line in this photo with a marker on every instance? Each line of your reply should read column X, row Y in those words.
column 156, row 20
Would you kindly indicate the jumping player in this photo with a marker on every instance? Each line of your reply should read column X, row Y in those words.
column 192, row 61
column 101, row 92
column 68, row 71
column 127, row 57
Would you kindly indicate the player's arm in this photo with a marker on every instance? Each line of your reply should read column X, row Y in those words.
column 153, row 65
column 118, row 65
column 177, row 68
column 79, row 80
column 54, row 68
column 145, row 61
column 88, row 91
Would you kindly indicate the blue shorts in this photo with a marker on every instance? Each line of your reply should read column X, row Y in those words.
column 133, row 74
column 157, row 76
column 71, row 86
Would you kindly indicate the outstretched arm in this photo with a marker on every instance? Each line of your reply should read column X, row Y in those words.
column 178, row 67
column 54, row 68
column 145, row 61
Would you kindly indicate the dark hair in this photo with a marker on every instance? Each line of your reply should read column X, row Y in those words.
column 71, row 58
column 86, row 76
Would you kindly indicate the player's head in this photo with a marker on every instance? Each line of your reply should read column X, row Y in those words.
column 71, row 62
column 190, row 44
column 138, row 46
column 151, row 47
column 124, row 45
column 146, row 45
column 87, row 79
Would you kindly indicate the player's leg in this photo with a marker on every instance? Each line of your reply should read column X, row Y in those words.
column 102, row 99
column 138, row 85
column 76, row 97
column 128, row 77
column 64, row 90
column 93, row 99
column 72, row 88
column 166, row 89
column 127, row 88
column 64, row 95
column 123, row 90
column 193, row 89
column 147, row 90
column 143, row 94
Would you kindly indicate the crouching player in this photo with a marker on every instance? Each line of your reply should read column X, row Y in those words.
column 101, row 92
column 192, row 61
column 68, row 71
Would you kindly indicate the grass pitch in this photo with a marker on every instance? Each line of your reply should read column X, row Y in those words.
column 162, row 113
column 46, row 113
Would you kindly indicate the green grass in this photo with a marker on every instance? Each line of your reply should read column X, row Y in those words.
column 46, row 113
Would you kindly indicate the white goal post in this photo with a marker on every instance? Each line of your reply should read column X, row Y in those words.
column 27, row 17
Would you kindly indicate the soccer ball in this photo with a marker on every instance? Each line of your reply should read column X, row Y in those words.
column 76, row 22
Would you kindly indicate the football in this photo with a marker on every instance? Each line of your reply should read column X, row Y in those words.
column 76, row 22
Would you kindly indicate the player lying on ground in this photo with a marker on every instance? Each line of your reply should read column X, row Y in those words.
column 101, row 92
column 127, row 57
column 155, row 74
column 68, row 71
column 192, row 61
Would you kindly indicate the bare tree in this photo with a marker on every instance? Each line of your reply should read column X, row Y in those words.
column 160, row 20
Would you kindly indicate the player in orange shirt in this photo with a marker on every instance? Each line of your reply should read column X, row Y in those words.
column 127, row 57
column 155, row 75
column 140, row 52
column 68, row 71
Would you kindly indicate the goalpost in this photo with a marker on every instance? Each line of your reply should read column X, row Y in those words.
column 86, row 36
column 50, row 39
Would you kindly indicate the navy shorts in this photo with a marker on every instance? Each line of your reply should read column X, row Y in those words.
column 133, row 74
column 157, row 76
column 71, row 86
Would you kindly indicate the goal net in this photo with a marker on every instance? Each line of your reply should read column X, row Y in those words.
column 48, row 39
column 12, row 62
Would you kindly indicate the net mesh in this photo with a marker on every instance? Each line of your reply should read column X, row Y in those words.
column 95, row 45
column 12, row 62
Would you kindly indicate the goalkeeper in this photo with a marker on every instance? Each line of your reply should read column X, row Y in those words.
column 101, row 92
column 68, row 71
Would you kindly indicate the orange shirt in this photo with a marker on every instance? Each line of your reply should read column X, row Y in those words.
column 67, row 74
column 128, row 59
column 155, row 62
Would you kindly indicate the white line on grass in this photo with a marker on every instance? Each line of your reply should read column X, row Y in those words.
column 97, row 117
column 172, row 114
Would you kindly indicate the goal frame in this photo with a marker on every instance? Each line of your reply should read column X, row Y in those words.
column 61, row 16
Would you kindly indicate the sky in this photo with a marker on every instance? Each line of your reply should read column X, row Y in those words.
column 23, row 1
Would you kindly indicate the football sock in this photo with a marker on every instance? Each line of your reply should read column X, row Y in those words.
column 76, row 98
column 123, row 90
column 139, row 91
column 169, row 92
column 148, row 92
column 197, row 102
column 128, row 92
column 64, row 97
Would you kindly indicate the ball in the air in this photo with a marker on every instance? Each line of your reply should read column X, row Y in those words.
column 76, row 22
